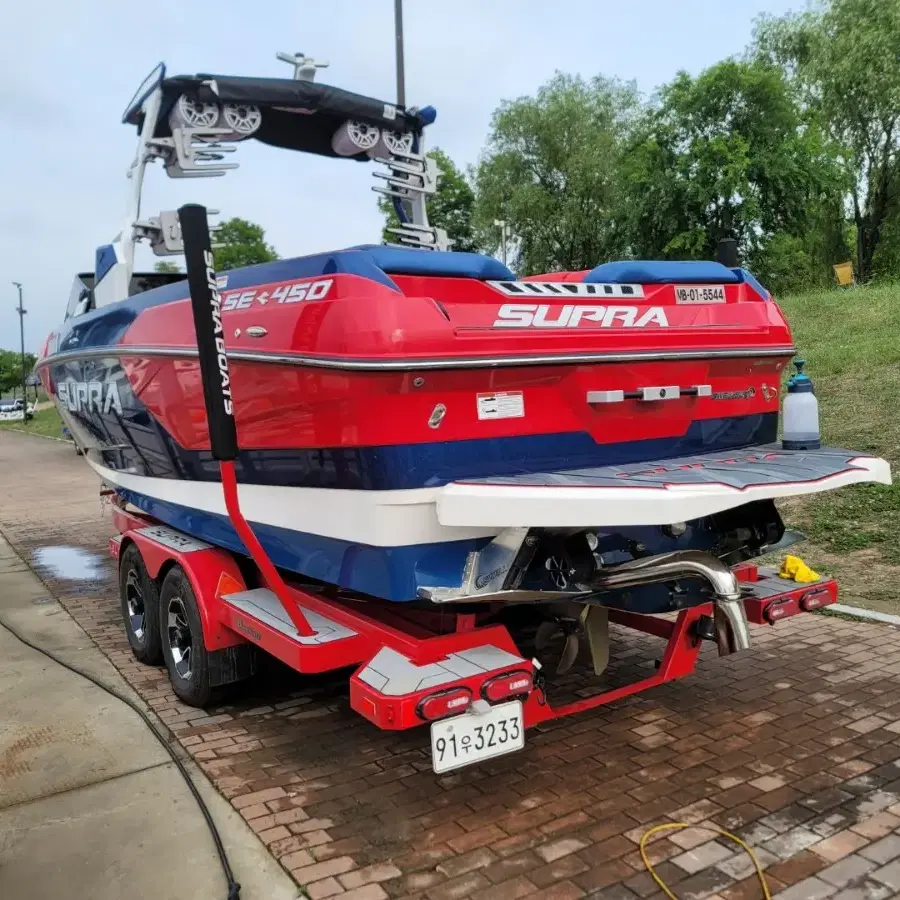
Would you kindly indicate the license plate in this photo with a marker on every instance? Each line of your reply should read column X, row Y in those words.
column 472, row 738
column 700, row 293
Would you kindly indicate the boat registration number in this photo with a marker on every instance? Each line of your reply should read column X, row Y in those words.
column 474, row 737
column 700, row 293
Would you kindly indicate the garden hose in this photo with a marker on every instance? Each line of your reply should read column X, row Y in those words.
column 680, row 826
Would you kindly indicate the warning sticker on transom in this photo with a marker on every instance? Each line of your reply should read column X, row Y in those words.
column 502, row 405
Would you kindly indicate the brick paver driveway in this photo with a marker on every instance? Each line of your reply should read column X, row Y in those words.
column 794, row 746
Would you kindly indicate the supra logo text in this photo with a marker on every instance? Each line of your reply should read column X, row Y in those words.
column 90, row 396
column 219, row 333
column 533, row 315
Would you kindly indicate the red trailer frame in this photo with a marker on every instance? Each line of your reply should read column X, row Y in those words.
column 412, row 667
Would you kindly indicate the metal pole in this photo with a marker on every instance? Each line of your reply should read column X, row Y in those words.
column 398, row 37
column 21, row 311
column 501, row 224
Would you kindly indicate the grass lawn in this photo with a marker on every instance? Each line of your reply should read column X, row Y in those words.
column 46, row 421
column 851, row 341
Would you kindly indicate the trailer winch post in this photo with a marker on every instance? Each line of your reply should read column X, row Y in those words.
column 215, row 376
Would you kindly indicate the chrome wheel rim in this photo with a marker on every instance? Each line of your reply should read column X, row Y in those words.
column 179, row 637
column 134, row 601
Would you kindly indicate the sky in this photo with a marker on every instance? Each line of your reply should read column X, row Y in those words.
column 67, row 71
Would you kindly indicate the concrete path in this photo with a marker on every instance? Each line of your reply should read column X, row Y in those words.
column 91, row 806
column 794, row 747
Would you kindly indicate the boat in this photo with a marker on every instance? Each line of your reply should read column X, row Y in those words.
column 418, row 425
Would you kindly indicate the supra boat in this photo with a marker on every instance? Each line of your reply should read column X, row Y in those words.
column 419, row 425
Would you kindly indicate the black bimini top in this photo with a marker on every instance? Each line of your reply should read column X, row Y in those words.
column 297, row 115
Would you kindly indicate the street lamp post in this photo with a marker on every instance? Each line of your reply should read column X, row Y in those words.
column 398, row 38
column 20, row 309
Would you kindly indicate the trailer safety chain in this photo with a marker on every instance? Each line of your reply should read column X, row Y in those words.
column 680, row 826
column 234, row 888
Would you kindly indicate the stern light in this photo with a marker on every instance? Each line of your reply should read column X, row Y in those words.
column 444, row 704
column 509, row 684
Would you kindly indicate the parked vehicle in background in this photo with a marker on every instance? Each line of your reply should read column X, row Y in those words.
column 15, row 410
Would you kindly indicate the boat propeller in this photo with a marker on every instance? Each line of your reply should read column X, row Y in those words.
column 590, row 622
column 545, row 635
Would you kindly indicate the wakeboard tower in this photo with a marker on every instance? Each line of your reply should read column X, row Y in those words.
column 418, row 427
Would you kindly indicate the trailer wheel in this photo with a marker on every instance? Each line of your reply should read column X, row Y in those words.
column 139, row 597
column 182, row 639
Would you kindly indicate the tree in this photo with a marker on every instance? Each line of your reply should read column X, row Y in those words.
column 242, row 244
column 727, row 154
column 551, row 170
column 165, row 266
column 450, row 208
column 843, row 58
column 11, row 369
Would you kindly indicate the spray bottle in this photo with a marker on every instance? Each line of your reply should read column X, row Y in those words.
column 800, row 414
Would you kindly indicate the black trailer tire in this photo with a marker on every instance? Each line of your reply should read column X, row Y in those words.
column 139, row 598
column 187, row 658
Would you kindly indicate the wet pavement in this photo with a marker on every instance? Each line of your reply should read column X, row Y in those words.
column 68, row 563
column 794, row 746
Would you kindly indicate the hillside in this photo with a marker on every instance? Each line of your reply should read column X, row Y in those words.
column 851, row 341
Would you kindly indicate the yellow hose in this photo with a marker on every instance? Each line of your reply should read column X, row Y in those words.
column 680, row 826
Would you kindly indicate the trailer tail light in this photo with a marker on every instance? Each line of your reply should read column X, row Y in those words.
column 778, row 609
column 815, row 599
column 444, row 703
column 509, row 684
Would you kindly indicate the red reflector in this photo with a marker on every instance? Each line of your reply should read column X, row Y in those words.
column 510, row 684
column 445, row 703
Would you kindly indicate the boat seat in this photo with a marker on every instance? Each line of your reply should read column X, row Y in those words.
column 450, row 264
column 375, row 262
column 641, row 271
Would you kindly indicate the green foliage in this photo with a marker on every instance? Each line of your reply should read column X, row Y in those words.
column 783, row 265
column 552, row 170
column 45, row 421
column 164, row 265
column 450, row 208
column 886, row 261
column 11, row 370
column 849, row 338
column 843, row 58
column 243, row 244
column 793, row 149
column 724, row 154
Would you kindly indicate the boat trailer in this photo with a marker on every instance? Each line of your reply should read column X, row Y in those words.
column 468, row 681
column 207, row 612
